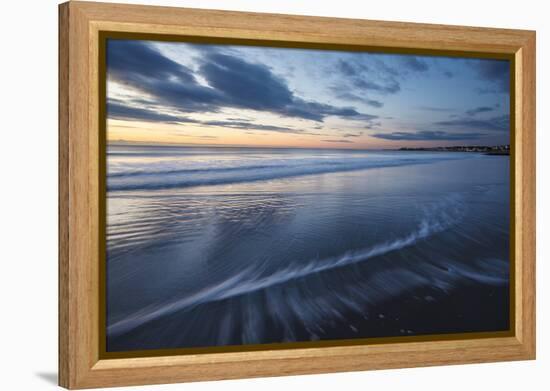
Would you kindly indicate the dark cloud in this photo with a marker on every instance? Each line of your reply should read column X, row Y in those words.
column 360, row 78
column 356, row 98
column 250, row 126
column 140, row 66
column 348, row 68
column 231, row 82
column 136, row 60
column 436, row 109
column 119, row 111
column 390, row 86
column 500, row 123
column 479, row 110
column 124, row 112
column 346, row 135
column 338, row 141
column 373, row 103
column 238, row 119
column 317, row 111
column 448, row 74
column 496, row 72
column 373, row 124
column 427, row 135
column 385, row 69
column 248, row 85
column 414, row 63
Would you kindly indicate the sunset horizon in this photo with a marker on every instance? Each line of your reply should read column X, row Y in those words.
column 219, row 95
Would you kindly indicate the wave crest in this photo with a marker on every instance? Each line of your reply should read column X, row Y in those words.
column 436, row 218
column 177, row 175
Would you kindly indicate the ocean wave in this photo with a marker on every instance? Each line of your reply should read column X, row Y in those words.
column 179, row 177
column 148, row 172
column 436, row 219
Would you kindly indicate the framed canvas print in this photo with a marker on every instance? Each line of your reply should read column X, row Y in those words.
column 251, row 195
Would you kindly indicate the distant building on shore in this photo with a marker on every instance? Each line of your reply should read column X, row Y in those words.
column 490, row 150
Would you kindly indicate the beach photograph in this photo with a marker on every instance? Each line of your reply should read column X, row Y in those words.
column 262, row 195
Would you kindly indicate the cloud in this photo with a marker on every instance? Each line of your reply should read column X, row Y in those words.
column 338, row 141
column 436, row 109
column 250, row 126
column 479, row 110
column 373, row 103
column 356, row 98
column 131, row 60
column 346, row 135
column 119, row 111
column 414, row 63
column 373, row 124
column 500, row 123
column 448, row 74
column 230, row 82
column 390, row 86
column 348, row 68
column 427, row 135
column 496, row 72
column 124, row 112
column 248, row 85
column 318, row 111
column 138, row 65
column 384, row 68
column 361, row 76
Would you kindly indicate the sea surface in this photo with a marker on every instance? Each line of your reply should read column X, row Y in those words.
column 232, row 246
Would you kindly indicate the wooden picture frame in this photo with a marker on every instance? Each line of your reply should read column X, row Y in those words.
column 81, row 24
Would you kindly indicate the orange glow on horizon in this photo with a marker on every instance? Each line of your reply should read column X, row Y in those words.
column 199, row 135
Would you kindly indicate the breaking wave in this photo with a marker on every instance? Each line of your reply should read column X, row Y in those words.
column 435, row 219
column 181, row 173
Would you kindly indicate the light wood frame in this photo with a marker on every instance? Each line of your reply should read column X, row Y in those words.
column 80, row 24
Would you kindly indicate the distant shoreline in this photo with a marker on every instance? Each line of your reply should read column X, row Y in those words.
column 120, row 143
column 500, row 150
column 494, row 150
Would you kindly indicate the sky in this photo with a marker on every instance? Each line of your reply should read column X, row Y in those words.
column 228, row 95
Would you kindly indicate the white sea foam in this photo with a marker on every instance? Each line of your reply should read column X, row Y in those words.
column 149, row 170
column 435, row 219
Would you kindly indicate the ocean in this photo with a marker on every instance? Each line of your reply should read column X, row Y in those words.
column 231, row 246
